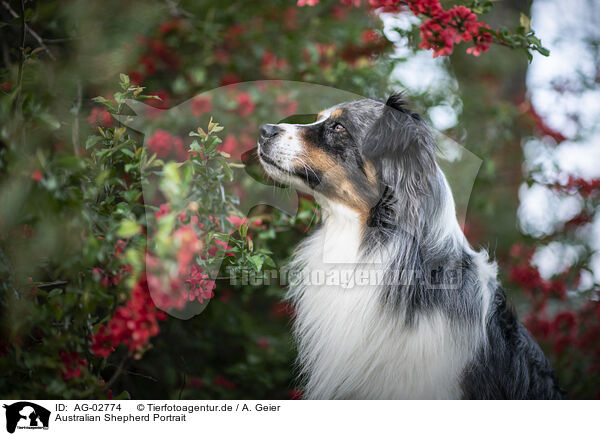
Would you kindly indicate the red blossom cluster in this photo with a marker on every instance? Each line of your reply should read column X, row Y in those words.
column 586, row 188
column 578, row 220
column 442, row 28
column 165, row 145
column 529, row 278
column 245, row 104
column 578, row 328
column 132, row 324
column 201, row 105
column 539, row 123
column 191, row 283
column 285, row 105
column 36, row 175
column 526, row 275
column 295, row 394
column 157, row 55
column 220, row 380
column 271, row 65
column 72, row 364
column 162, row 102
column 106, row 280
column 201, row 287
column 100, row 117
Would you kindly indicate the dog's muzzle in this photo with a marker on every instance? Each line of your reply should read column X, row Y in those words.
column 266, row 134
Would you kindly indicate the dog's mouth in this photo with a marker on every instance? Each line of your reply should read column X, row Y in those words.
column 305, row 175
column 265, row 158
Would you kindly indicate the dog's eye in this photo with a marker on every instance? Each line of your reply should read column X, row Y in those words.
column 338, row 128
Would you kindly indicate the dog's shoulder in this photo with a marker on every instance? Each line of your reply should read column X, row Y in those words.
column 511, row 365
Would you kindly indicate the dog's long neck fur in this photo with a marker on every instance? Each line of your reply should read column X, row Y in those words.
column 381, row 340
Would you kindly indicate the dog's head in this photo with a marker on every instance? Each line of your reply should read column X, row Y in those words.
column 359, row 154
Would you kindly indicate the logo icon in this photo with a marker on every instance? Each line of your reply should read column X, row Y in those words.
column 26, row 415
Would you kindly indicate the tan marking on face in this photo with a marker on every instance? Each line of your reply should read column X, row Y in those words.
column 336, row 113
column 334, row 176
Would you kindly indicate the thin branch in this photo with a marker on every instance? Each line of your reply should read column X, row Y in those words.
column 21, row 55
column 75, row 131
column 117, row 373
column 57, row 284
column 25, row 27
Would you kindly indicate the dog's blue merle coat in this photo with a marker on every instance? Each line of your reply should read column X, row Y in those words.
column 372, row 168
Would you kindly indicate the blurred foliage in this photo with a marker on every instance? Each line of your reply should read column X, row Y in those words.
column 88, row 203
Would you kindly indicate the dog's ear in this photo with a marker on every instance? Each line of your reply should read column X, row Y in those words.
column 401, row 147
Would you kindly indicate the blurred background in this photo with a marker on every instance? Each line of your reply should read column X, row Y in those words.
column 90, row 208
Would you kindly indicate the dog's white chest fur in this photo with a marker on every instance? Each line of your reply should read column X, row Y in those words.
column 349, row 347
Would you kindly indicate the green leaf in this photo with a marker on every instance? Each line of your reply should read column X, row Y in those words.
column 128, row 228
column 91, row 141
column 54, row 292
column 123, row 396
column 50, row 120
column 257, row 261
column 525, row 22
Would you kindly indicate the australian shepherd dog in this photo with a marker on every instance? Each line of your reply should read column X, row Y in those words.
column 407, row 309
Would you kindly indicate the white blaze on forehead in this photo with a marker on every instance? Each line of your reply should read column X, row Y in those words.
column 287, row 147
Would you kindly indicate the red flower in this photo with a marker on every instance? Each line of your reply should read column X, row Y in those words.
column 120, row 247
column 295, row 394
column 282, row 310
column 164, row 144
column 290, row 19
column 6, row 86
column 132, row 324
column 37, row 175
column 465, row 21
column 222, row 381
column 230, row 79
column 338, row 13
column 440, row 39
column 245, row 104
column 219, row 245
column 72, row 364
column 369, row 36
column 160, row 143
column 100, row 117
column 135, row 77
column 225, row 295
column 585, row 188
column 237, row 221
column 171, row 25
column 189, row 246
column 164, row 209
column 286, row 106
column 201, row 105
column 201, row 287
column 149, row 64
column 229, row 145
column 271, row 64
column 526, row 276
column 482, row 42
column 263, row 343
column 307, row 2
column 430, row 8
column 163, row 103
column 579, row 219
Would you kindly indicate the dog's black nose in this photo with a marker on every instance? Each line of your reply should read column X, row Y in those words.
column 268, row 131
